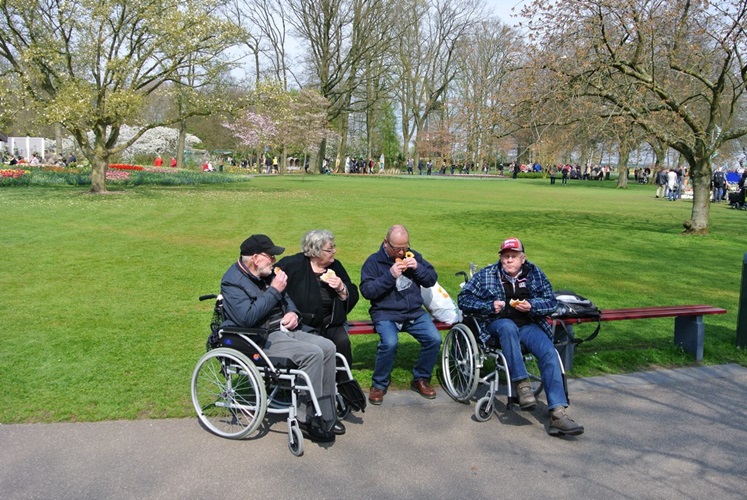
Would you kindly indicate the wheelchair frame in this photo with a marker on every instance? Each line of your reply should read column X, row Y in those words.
column 462, row 359
column 230, row 390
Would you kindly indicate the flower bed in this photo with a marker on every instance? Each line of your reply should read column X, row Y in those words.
column 13, row 173
column 14, row 177
column 125, row 166
column 118, row 174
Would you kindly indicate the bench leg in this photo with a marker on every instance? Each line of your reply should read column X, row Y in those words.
column 564, row 344
column 689, row 332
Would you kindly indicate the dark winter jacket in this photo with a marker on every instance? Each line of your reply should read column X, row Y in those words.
column 380, row 287
column 303, row 288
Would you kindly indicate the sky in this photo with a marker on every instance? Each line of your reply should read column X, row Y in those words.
column 503, row 8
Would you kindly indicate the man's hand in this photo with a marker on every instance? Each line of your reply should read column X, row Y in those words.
column 499, row 305
column 280, row 281
column 523, row 306
column 410, row 262
column 398, row 268
column 290, row 320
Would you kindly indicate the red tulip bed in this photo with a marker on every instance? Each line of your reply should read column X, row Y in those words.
column 117, row 174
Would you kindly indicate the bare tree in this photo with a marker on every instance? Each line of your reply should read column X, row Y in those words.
column 479, row 93
column 678, row 69
column 340, row 36
column 265, row 23
column 430, row 36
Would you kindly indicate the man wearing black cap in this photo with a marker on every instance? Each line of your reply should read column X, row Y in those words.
column 515, row 297
column 253, row 297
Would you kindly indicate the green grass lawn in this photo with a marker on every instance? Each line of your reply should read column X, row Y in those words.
column 99, row 293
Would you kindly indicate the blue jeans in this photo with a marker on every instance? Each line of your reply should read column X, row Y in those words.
column 423, row 330
column 539, row 344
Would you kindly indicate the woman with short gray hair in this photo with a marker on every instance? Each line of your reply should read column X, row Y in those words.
column 322, row 290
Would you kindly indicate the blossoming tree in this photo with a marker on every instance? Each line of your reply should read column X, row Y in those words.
column 91, row 64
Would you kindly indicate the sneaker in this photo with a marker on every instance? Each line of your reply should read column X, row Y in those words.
column 422, row 387
column 376, row 395
column 561, row 423
column 524, row 391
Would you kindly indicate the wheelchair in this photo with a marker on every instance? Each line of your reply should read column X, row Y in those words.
column 235, row 384
column 463, row 358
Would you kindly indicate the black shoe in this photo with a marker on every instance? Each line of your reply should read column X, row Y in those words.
column 338, row 429
column 316, row 432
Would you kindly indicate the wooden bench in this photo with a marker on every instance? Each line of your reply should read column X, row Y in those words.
column 366, row 327
column 689, row 331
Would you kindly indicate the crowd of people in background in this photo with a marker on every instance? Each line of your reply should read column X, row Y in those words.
column 672, row 184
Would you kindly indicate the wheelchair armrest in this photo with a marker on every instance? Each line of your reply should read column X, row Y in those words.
column 264, row 332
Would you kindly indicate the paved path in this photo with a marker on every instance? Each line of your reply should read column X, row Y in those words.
column 665, row 434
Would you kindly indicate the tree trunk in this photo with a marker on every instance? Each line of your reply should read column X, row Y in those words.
column 622, row 165
column 180, row 144
column 98, row 174
column 58, row 139
column 700, row 177
column 321, row 155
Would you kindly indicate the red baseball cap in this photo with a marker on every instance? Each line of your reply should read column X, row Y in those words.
column 512, row 244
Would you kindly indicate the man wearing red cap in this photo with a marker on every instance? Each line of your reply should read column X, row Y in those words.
column 514, row 298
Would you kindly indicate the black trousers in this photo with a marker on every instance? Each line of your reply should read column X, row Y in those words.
column 340, row 337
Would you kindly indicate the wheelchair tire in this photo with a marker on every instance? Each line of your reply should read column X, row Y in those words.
column 459, row 363
column 484, row 409
column 228, row 393
column 295, row 440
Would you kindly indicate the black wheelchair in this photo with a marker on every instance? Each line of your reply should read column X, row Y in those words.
column 235, row 384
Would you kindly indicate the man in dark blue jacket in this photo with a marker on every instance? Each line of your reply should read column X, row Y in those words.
column 391, row 279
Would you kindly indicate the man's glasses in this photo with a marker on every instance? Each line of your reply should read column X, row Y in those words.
column 271, row 257
column 397, row 249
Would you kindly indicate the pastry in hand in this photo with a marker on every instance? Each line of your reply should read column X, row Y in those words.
column 409, row 254
column 326, row 276
column 516, row 302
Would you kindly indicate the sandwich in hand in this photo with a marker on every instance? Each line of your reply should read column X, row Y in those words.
column 326, row 276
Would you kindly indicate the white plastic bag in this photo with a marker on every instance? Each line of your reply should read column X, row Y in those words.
column 440, row 304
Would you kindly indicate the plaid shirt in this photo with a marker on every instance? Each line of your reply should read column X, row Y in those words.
column 485, row 287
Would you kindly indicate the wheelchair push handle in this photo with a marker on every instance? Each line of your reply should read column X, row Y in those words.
column 208, row 297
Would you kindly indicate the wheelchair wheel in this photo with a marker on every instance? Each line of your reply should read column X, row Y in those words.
column 484, row 409
column 459, row 363
column 534, row 373
column 228, row 393
column 295, row 440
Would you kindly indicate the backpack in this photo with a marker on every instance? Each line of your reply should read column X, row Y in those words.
column 718, row 178
column 574, row 306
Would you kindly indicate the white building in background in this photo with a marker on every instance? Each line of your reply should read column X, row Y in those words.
column 23, row 146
